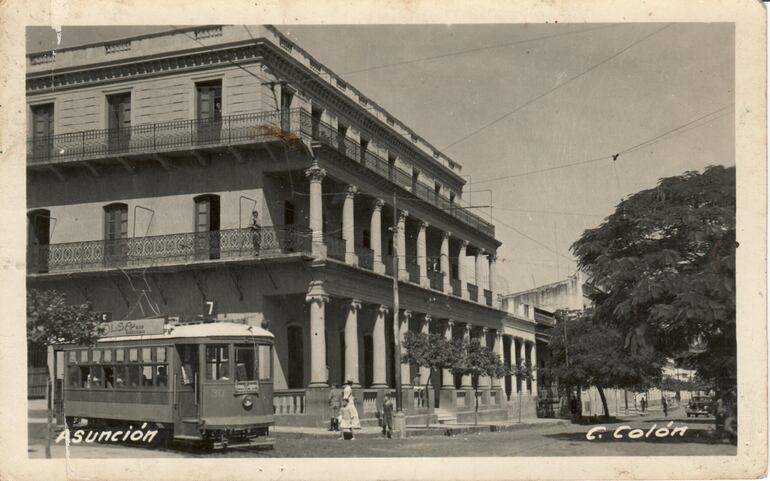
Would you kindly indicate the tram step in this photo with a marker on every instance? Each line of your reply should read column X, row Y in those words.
column 191, row 420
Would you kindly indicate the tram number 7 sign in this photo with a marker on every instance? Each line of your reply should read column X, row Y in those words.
column 209, row 309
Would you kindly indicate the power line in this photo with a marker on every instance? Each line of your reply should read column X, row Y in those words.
column 525, row 235
column 472, row 50
column 656, row 139
column 586, row 214
column 557, row 87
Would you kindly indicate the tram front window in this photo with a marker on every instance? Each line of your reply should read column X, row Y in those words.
column 245, row 363
column 217, row 363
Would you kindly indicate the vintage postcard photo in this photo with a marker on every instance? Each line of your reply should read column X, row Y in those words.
column 257, row 241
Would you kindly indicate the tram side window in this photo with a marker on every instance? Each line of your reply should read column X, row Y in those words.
column 245, row 363
column 74, row 376
column 147, row 371
column 217, row 363
column 134, row 375
column 121, row 375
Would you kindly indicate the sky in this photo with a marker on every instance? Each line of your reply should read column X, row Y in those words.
column 523, row 100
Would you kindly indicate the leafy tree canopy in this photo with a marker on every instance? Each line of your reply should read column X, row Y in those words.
column 51, row 320
column 664, row 267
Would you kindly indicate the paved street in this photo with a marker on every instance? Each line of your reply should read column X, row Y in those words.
column 541, row 440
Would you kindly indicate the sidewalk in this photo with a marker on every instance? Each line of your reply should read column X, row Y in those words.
column 298, row 432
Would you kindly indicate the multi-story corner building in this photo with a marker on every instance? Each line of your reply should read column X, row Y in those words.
column 222, row 171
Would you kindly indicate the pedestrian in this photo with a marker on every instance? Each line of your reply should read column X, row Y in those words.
column 387, row 416
column 346, row 420
column 335, row 402
column 347, row 394
column 664, row 404
column 644, row 403
column 256, row 232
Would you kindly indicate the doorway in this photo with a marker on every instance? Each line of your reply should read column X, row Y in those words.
column 296, row 353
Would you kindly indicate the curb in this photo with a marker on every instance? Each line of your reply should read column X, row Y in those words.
column 432, row 431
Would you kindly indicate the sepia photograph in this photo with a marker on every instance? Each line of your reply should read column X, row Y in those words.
column 389, row 240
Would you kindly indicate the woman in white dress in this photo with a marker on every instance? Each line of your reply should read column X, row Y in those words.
column 347, row 395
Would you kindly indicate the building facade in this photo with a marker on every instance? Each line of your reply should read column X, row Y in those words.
column 223, row 171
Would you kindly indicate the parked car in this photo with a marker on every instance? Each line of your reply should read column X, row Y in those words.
column 700, row 406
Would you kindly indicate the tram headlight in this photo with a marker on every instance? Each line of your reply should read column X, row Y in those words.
column 247, row 402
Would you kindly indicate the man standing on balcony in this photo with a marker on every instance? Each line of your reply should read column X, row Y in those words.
column 256, row 232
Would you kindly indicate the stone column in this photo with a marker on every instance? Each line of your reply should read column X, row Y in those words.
column 484, row 381
column 480, row 272
column 316, row 175
column 317, row 299
column 422, row 254
column 425, row 329
column 379, row 378
column 403, row 327
column 521, row 384
column 493, row 278
column 512, row 353
column 351, row 342
column 533, row 360
column 498, row 349
column 447, row 380
column 445, row 261
column 375, row 233
column 348, row 226
column 466, row 382
column 403, row 274
column 461, row 270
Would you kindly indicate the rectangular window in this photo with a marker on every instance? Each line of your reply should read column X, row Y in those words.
column 85, row 374
column 245, row 363
column 146, row 354
column 147, row 372
column 119, row 121
column 288, row 213
column 107, row 355
column 83, row 356
column 97, row 356
column 109, row 377
column 160, row 354
column 42, row 131
column 121, row 375
column 161, row 375
column 265, row 358
column 133, row 354
column 134, row 375
column 217, row 363
column 73, row 375
column 120, row 355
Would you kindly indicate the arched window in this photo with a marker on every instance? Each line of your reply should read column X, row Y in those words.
column 296, row 352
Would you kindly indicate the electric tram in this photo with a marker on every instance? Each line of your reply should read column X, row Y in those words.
column 206, row 383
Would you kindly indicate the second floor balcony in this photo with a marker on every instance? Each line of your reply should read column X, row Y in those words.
column 169, row 249
column 146, row 140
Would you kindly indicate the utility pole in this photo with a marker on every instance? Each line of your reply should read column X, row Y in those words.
column 399, row 421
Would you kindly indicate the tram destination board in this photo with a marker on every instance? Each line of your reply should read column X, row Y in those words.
column 133, row 328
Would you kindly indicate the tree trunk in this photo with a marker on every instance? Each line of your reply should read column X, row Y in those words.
column 476, row 411
column 427, row 400
column 519, row 406
column 49, row 431
column 604, row 401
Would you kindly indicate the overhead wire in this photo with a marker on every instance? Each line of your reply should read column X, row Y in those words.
column 553, row 89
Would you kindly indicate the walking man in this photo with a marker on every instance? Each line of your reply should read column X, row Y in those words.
column 664, row 404
column 335, row 402
column 387, row 416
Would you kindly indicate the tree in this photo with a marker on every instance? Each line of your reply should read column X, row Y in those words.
column 430, row 351
column 50, row 320
column 524, row 371
column 585, row 352
column 473, row 359
column 664, row 267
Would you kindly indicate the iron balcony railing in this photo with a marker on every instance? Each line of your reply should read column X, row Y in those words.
column 488, row 297
column 230, row 130
column 455, row 284
column 164, row 136
column 414, row 271
column 365, row 257
column 169, row 249
column 473, row 292
column 335, row 247
column 436, row 280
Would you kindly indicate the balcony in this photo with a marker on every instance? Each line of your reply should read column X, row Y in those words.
column 455, row 284
column 414, row 271
column 365, row 257
column 168, row 249
column 161, row 137
column 436, row 280
column 488, row 297
column 327, row 135
column 231, row 131
column 473, row 292
column 388, row 260
column 335, row 247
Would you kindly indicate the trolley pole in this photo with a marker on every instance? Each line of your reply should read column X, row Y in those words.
column 399, row 421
